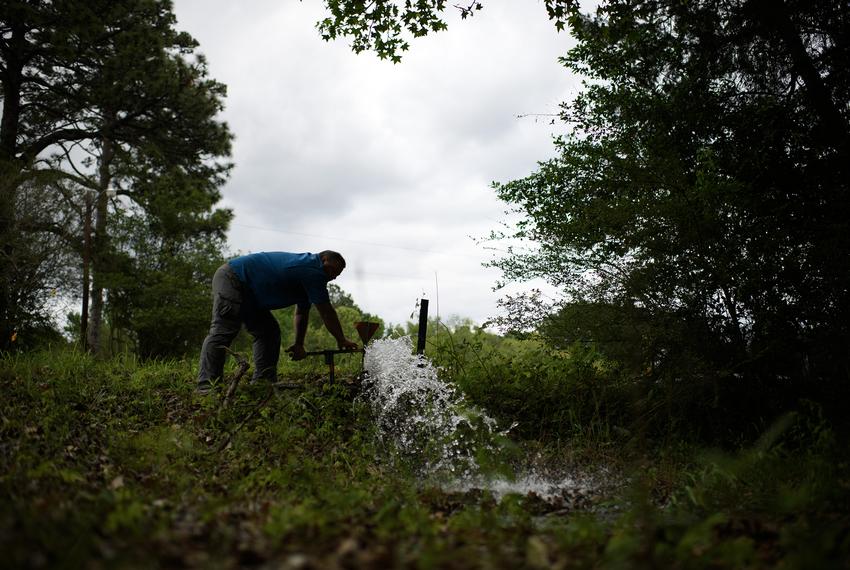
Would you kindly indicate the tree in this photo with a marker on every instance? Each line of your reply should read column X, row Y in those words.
column 30, row 50
column 44, row 265
column 166, row 254
column 705, row 181
column 139, row 106
column 156, row 112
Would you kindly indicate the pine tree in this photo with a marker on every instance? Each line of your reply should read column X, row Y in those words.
column 139, row 104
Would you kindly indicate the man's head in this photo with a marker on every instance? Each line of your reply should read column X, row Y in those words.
column 332, row 262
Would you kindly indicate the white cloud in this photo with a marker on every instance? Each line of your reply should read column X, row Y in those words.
column 389, row 164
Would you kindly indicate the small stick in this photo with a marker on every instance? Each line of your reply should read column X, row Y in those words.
column 220, row 447
column 234, row 382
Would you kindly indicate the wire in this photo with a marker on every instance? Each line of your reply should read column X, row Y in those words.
column 415, row 277
column 358, row 241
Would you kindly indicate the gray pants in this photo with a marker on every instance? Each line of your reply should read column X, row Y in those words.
column 233, row 305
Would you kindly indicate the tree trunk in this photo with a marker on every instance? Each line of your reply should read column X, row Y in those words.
column 776, row 15
column 9, row 179
column 84, row 316
column 7, row 254
column 100, row 245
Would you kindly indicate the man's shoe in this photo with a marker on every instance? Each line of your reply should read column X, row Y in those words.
column 203, row 388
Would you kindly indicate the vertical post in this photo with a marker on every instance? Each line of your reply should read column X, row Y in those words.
column 423, row 326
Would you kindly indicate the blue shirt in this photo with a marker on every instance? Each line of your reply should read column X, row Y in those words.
column 279, row 279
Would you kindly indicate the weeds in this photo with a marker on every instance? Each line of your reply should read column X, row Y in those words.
column 118, row 463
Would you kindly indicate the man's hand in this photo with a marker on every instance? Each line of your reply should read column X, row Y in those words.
column 346, row 344
column 297, row 352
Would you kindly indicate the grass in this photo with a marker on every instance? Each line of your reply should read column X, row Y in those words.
column 120, row 464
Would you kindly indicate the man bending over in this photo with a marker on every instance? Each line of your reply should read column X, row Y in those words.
column 248, row 288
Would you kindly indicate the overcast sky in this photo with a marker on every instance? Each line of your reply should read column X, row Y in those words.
column 389, row 164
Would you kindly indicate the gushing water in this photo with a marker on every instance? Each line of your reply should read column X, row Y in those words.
column 427, row 425
column 427, row 422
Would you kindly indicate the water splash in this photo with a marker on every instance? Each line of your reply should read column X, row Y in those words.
column 428, row 425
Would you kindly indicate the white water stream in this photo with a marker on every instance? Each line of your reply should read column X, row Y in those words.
column 428, row 426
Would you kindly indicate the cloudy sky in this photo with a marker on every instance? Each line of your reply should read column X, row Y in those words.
column 389, row 164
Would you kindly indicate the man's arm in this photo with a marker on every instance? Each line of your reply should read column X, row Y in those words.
column 300, row 322
column 331, row 320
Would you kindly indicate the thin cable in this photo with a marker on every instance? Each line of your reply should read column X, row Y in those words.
column 362, row 274
column 357, row 241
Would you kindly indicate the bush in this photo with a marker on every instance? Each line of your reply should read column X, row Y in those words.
column 550, row 394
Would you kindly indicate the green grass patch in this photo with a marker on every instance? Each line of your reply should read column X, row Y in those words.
column 119, row 463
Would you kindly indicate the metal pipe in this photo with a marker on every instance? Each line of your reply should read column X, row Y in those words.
column 329, row 358
column 329, row 351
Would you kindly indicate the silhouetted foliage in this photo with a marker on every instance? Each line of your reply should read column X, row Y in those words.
column 701, row 199
column 104, row 104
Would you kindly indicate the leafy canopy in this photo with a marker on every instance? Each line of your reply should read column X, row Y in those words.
column 386, row 26
column 703, row 187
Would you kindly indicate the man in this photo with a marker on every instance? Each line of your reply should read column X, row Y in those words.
column 248, row 288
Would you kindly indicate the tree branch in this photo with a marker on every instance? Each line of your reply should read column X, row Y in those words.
column 33, row 150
